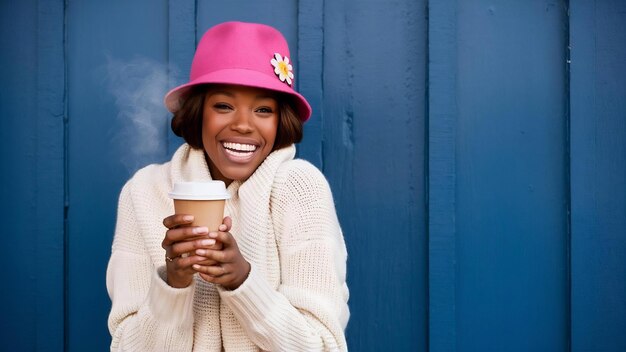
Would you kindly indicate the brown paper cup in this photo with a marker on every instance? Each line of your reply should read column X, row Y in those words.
column 204, row 200
column 209, row 213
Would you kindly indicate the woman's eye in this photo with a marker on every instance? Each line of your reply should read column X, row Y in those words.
column 264, row 110
column 221, row 106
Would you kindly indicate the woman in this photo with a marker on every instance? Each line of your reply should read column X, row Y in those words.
column 273, row 277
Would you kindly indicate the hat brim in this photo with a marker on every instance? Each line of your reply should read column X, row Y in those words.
column 244, row 77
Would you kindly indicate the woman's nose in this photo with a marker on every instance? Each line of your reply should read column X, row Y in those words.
column 242, row 122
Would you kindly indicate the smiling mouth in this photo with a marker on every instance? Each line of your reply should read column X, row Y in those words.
column 239, row 152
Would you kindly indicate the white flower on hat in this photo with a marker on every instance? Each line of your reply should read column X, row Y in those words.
column 282, row 68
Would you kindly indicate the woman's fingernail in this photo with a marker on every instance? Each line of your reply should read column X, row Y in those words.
column 201, row 252
column 213, row 235
column 196, row 266
column 188, row 218
column 222, row 227
column 207, row 242
column 198, row 230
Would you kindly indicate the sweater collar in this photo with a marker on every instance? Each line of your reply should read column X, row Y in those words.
column 189, row 164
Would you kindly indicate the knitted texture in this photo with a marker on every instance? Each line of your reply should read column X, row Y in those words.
column 284, row 221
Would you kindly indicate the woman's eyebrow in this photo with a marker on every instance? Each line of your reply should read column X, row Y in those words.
column 260, row 97
column 230, row 94
column 224, row 92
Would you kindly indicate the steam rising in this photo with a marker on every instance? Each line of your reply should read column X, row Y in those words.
column 138, row 87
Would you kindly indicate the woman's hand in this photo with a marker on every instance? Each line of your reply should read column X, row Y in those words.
column 182, row 239
column 230, row 269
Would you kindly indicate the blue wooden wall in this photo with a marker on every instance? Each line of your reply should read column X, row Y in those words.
column 476, row 151
column 598, row 175
column 499, row 178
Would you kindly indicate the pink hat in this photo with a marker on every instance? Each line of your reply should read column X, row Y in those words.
column 246, row 54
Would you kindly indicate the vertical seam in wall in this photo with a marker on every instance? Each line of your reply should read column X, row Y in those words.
column 568, row 191
column 426, row 170
column 195, row 24
column 66, row 196
column 322, row 135
column 442, row 119
column 310, row 59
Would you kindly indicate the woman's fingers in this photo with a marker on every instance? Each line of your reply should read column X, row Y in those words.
column 207, row 262
column 214, row 271
column 183, row 233
column 180, row 248
column 180, row 243
column 231, row 268
column 219, row 256
column 229, row 276
column 224, row 237
column 226, row 225
column 177, row 220
column 180, row 270
column 184, row 263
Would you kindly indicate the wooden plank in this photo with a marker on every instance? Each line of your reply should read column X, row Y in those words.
column 511, row 191
column 31, row 130
column 19, row 121
column 442, row 116
column 309, row 75
column 374, row 95
column 50, row 171
column 598, row 171
column 281, row 14
column 181, row 47
column 117, row 55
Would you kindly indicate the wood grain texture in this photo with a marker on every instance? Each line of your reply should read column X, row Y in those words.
column 31, row 181
column 50, row 171
column 373, row 156
column 309, row 75
column 180, row 49
column 18, row 70
column 511, row 177
column 117, row 54
column 281, row 14
column 598, row 172
column 442, row 119
column 443, row 131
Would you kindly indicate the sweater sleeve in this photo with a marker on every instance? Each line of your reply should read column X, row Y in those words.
column 309, row 311
column 146, row 314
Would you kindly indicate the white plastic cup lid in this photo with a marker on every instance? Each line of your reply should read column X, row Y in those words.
column 208, row 190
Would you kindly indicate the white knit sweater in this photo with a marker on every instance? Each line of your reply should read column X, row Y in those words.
column 284, row 221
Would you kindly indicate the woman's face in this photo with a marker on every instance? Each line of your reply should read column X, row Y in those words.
column 238, row 130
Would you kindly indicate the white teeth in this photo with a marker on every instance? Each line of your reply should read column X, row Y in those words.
column 239, row 147
column 238, row 154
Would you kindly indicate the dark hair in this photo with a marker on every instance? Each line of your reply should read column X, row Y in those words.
column 187, row 121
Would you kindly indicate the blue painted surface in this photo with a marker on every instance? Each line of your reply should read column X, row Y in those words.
column 31, row 181
column 181, row 46
column 373, row 148
column 116, row 50
column 310, row 76
column 51, row 186
column 19, row 69
column 444, row 130
column 511, row 177
column 598, row 169
column 442, row 115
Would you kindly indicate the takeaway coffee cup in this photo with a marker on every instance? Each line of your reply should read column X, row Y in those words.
column 204, row 200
